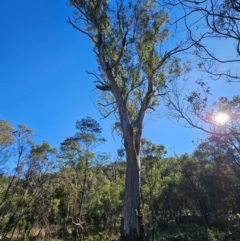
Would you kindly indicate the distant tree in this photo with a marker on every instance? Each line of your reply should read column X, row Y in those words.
column 194, row 189
column 78, row 156
column 23, row 183
column 160, row 179
column 6, row 140
column 15, row 148
column 219, row 178
column 38, row 182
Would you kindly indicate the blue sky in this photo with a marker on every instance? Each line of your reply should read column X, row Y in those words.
column 43, row 80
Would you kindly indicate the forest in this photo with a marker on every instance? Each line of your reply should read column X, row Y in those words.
column 75, row 193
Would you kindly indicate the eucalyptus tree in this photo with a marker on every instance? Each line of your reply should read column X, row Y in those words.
column 15, row 145
column 134, row 66
column 6, row 140
column 77, row 152
column 23, row 181
column 39, row 185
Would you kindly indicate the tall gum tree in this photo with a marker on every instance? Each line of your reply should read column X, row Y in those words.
column 134, row 68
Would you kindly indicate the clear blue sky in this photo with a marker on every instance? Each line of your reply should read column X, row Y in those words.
column 43, row 80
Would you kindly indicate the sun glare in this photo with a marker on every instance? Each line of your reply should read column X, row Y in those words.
column 221, row 118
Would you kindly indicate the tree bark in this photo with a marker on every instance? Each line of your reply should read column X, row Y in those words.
column 132, row 226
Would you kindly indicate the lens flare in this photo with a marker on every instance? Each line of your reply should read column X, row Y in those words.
column 221, row 118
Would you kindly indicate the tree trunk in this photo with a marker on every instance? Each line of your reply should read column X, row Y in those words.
column 132, row 227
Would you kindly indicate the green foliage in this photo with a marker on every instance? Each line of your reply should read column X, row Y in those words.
column 6, row 137
column 210, row 235
column 89, row 132
column 180, row 196
column 127, row 38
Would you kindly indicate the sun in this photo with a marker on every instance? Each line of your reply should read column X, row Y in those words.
column 221, row 118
